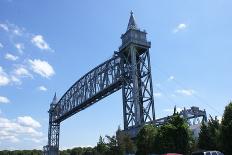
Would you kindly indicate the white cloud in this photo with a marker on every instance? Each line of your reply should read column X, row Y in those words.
column 180, row 27
column 171, row 78
column 17, row 32
column 4, row 27
column 4, row 80
column 12, row 139
column 157, row 94
column 186, row 92
column 22, row 72
column 4, row 99
column 42, row 88
column 178, row 109
column 18, row 73
column 17, row 130
column 19, row 47
column 173, row 95
column 28, row 121
column 12, row 28
column 16, row 80
column 42, row 68
column 21, row 40
column 39, row 41
column 36, row 140
column 11, row 57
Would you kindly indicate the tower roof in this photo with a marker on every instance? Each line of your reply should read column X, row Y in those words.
column 132, row 24
column 54, row 101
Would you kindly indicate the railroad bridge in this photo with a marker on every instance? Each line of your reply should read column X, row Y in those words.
column 129, row 69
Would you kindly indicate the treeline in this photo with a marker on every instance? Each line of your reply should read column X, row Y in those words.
column 217, row 135
column 110, row 145
column 21, row 152
column 174, row 136
column 79, row 151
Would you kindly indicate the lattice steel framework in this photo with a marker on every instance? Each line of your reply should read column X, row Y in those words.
column 192, row 115
column 129, row 69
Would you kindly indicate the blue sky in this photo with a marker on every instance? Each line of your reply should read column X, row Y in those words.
column 45, row 46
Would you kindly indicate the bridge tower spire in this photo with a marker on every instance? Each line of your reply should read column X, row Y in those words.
column 132, row 24
column 137, row 90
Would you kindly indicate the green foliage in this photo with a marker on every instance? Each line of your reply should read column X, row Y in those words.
column 79, row 151
column 125, row 144
column 214, row 133
column 21, row 152
column 115, row 145
column 101, row 147
column 226, row 130
column 174, row 136
column 204, row 137
column 145, row 140
column 209, row 136
column 112, row 144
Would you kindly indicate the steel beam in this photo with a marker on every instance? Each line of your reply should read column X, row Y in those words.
column 128, row 69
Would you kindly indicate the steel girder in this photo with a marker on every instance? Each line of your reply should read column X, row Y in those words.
column 191, row 115
column 95, row 85
column 138, row 103
column 128, row 69
column 131, row 71
column 53, row 133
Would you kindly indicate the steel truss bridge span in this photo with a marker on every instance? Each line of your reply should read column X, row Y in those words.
column 100, row 82
column 129, row 69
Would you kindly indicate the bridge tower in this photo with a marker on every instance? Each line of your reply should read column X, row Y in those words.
column 53, row 131
column 128, row 69
column 137, row 90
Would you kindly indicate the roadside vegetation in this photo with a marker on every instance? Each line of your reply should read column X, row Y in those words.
column 174, row 136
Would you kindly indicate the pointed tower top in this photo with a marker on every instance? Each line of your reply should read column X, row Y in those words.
column 54, row 101
column 175, row 110
column 132, row 24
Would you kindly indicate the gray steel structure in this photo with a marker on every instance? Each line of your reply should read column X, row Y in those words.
column 191, row 115
column 129, row 69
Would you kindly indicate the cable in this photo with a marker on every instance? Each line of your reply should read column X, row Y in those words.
column 184, row 87
column 166, row 95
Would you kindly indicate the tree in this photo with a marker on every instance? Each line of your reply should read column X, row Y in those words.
column 226, row 130
column 204, row 137
column 174, row 136
column 209, row 136
column 113, row 146
column 145, row 140
column 214, row 132
column 101, row 146
column 125, row 144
